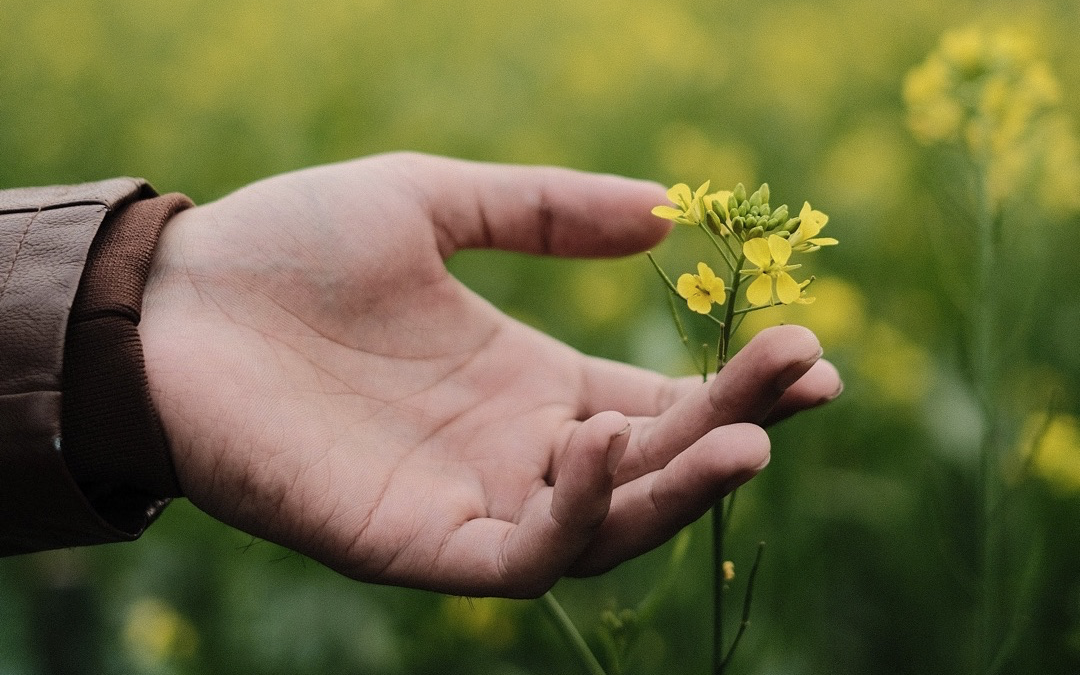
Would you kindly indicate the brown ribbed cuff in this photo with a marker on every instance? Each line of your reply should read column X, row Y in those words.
column 113, row 441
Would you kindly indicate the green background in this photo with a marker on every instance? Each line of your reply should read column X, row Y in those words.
column 869, row 505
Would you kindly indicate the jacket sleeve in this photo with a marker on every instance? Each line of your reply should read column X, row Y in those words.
column 82, row 456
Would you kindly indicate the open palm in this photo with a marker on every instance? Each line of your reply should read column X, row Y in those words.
column 326, row 384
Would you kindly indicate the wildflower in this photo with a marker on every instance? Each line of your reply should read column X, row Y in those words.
column 771, row 256
column 810, row 223
column 701, row 290
column 691, row 206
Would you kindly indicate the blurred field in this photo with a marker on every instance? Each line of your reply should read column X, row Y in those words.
column 868, row 506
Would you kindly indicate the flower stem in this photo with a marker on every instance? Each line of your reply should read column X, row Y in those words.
column 991, row 609
column 747, row 599
column 571, row 634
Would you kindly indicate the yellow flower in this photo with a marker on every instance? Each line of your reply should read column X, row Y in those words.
column 691, row 206
column 805, row 239
column 701, row 290
column 771, row 257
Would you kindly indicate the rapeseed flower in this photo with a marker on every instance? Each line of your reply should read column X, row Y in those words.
column 689, row 206
column 805, row 239
column 771, row 280
column 702, row 290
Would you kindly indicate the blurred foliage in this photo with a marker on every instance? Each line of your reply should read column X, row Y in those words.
column 868, row 505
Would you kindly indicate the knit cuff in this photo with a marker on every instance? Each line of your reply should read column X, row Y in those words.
column 113, row 441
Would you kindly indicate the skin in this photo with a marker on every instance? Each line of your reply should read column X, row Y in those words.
column 326, row 384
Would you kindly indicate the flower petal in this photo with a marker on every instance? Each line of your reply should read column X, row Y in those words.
column 687, row 285
column 787, row 289
column 700, row 303
column 757, row 251
column 759, row 293
column 668, row 212
column 780, row 249
column 705, row 274
column 679, row 194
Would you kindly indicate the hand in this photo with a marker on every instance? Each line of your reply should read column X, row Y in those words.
column 326, row 384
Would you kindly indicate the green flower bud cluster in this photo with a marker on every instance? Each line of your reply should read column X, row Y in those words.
column 748, row 217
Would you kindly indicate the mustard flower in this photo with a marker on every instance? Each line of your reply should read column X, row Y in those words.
column 771, row 256
column 701, row 290
column 805, row 239
column 689, row 207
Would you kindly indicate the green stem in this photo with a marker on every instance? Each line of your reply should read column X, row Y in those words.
column 720, row 515
column 719, row 519
column 984, row 369
column 571, row 634
column 725, row 251
column 747, row 600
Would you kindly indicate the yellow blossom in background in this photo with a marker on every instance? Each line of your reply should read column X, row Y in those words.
column 992, row 95
column 771, row 257
column 492, row 621
column 1056, row 451
column 701, row 290
column 156, row 633
column 689, row 206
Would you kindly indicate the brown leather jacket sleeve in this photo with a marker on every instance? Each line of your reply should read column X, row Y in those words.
column 82, row 459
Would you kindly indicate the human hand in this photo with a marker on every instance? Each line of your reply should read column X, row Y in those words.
column 326, row 384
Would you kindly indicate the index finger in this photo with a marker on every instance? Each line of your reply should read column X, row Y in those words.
column 535, row 209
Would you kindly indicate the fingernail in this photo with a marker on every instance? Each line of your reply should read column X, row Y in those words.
column 793, row 372
column 617, row 447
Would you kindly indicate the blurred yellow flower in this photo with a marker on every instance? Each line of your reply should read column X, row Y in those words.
column 155, row 632
column 690, row 206
column 1056, row 456
column 771, row 257
column 805, row 239
column 701, row 290
column 992, row 95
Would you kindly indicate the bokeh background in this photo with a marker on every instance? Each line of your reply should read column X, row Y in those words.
column 869, row 506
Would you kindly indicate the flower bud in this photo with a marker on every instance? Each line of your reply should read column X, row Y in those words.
column 740, row 193
column 779, row 216
column 756, row 232
column 738, row 224
column 791, row 224
column 764, row 192
column 715, row 222
column 755, row 199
